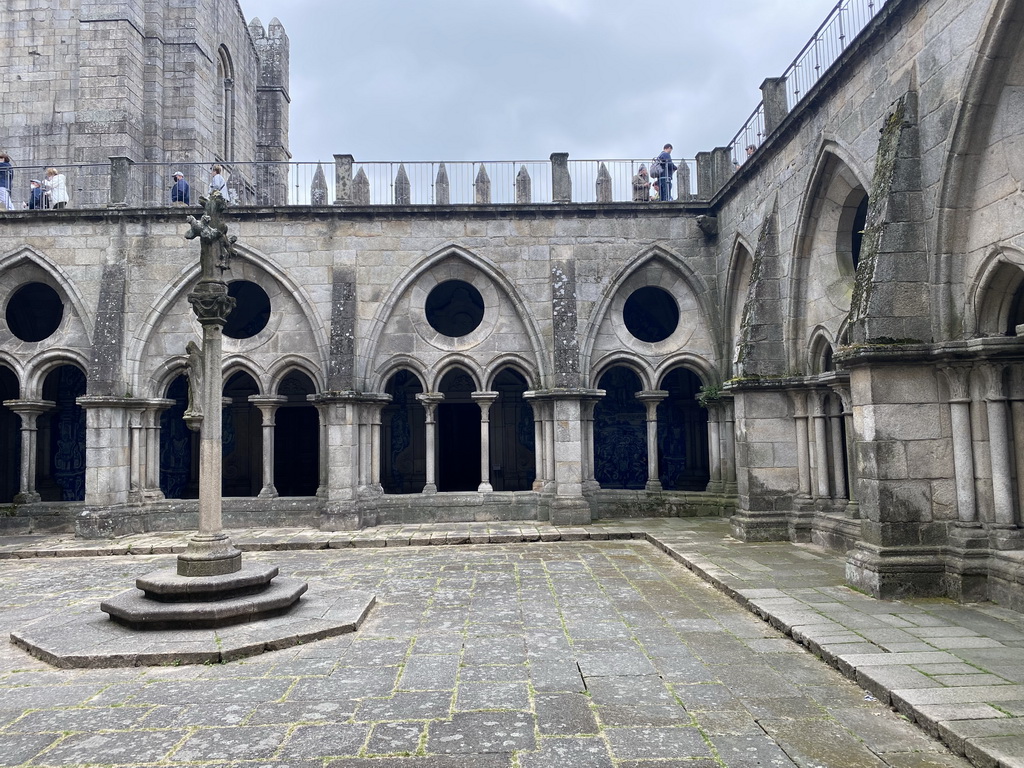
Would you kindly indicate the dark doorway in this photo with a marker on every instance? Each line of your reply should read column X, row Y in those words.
column 10, row 438
column 458, row 434
column 620, row 432
column 297, row 439
column 243, row 443
column 403, row 465
column 60, row 468
column 179, row 447
column 513, row 466
column 682, row 434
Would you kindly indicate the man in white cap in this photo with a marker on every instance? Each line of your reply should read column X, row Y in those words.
column 180, row 190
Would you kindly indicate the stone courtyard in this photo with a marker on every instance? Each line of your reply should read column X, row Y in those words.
column 518, row 646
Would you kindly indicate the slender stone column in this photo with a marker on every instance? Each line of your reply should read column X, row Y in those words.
column 29, row 411
column 539, row 446
column 958, row 378
column 714, row 447
column 999, row 446
column 589, row 481
column 1017, row 414
column 650, row 399
column 430, row 401
column 846, row 404
column 802, row 447
column 268, row 405
column 728, row 443
column 823, row 491
column 375, row 427
column 550, row 481
column 137, row 452
column 838, row 454
column 151, row 482
column 322, row 471
column 484, row 400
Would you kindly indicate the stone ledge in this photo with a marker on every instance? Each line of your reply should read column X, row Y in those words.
column 83, row 637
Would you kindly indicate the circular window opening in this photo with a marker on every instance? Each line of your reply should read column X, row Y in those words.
column 651, row 314
column 455, row 308
column 34, row 312
column 252, row 310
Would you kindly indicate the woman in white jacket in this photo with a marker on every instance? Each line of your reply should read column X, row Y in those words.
column 56, row 187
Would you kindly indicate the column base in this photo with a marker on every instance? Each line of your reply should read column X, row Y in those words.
column 209, row 554
column 484, row 488
column 891, row 573
column 653, row 486
column 1005, row 537
column 267, row 492
column 429, row 489
column 31, row 497
column 760, row 526
column 570, row 511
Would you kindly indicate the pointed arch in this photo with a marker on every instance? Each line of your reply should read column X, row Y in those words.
column 825, row 245
column 387, row 306
column 392, row 366
column 285, row 365
column 698, row 365
column 40, row 367
column 976, row 111
column 624, row 359
column 820, row 348
column 516, row 362
column 448, row 363
column 994, row 294
column 182, row 284
column 737, row 291
column 651, row 256
column 234, row 364
column 27, row 255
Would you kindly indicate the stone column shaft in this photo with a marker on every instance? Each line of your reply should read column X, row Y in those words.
column 823, row 491
column 838, row 453
column 802, row 444
column 268, row 405
column 728, row 441
column 484, row 400
column 28, row 411
column 958, row 378
column 430, row 402
column 650, row 399
column 714, row 448
column 999, row 447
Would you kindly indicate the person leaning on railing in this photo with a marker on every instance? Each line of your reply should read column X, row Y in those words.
column 6, row 180
column 56, row 187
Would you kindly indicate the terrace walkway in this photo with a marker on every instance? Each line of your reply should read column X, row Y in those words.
column 530, row 646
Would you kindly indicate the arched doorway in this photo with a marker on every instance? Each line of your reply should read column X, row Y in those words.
column 403, row 465
column 296, row 438
column 620, row 431
column 60, row 468
column 10, row 438
column 243, row 444
column 458, row 434
column 683, row 463
column 179, row 446
column 513, row 465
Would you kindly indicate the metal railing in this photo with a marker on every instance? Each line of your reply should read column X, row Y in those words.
column 122, row 183
column 847, row 19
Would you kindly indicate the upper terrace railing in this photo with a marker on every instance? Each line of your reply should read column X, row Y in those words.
column 123, row 183
column 846, row 20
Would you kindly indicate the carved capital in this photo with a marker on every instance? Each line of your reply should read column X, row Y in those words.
column 958, row 378
column 211, row 303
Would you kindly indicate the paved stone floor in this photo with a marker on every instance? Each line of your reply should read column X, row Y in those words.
column 635, row 644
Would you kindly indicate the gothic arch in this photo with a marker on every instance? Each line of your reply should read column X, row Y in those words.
column 252, row 265
column 1000, row 43
column 737, row 291
column 40, row 367
column 448, row 363
column 819, row 351
column 633, row 362
column 673, row 264
column 825, row 248
column 517, row 363
column 994, row 293
column 698, row 365
column 46, row 271
column 224, row 98
column 392, row 366
column 237, row 364
column 285, row 365
column 367, row 362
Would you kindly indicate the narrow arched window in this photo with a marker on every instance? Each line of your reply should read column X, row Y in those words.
column 225, row 100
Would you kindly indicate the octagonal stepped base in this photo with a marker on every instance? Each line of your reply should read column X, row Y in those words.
column 133, row 609
column 168, row 586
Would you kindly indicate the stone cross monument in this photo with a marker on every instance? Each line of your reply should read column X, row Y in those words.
column 210, row 552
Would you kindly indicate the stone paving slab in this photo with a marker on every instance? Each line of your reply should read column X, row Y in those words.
column 551, row 609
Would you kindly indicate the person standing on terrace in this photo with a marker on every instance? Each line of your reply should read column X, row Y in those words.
column 642, row 186
column 56, row 187
column 665, row 168
column 6, row 179
column 180, row 192
column 217, row 183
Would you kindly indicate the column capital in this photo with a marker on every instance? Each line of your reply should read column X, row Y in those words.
column 992, row 375
column 29, row 407
column 958, row 379
column 651, row 395
column 564, row 393
column 485, row 396
column 267, row 401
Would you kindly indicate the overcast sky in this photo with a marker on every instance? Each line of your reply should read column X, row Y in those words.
column 519, row 79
